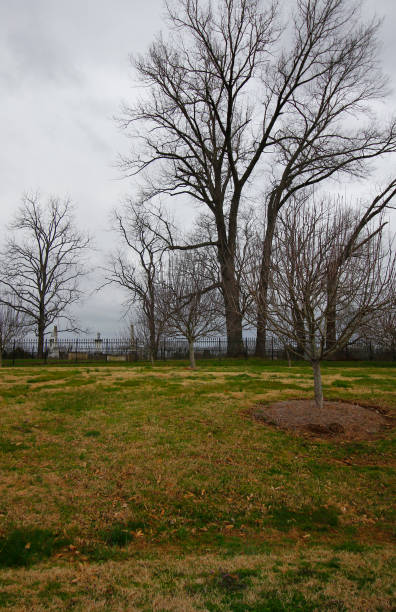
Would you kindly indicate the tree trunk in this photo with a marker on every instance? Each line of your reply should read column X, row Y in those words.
column 231, row 296
column 226, row 251
column 153, row 350
column 318, row 384
column 234, row 332
column 153, row 341
column 265, row 271
column 191, row 354
column 40, row 344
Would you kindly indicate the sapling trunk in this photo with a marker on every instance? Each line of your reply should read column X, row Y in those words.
column 317, row 384
column 191, row 354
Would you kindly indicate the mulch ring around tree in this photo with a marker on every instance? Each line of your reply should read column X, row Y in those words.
column 339, row 420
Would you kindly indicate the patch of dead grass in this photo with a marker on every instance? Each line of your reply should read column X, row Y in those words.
column 357, row 582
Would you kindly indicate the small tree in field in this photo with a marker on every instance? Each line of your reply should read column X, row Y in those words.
column 137, row 267
column 41, row 264
column 308, row 241
column 11, row 326
column 193, row 311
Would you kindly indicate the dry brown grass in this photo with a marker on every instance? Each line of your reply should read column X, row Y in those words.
column 194, row 581
column 172, row 455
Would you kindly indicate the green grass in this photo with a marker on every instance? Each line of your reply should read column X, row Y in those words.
column 25, row 546
column 6, row 446
column 307, row 518
column 127, row 484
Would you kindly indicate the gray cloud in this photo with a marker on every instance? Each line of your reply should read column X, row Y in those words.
column 63, row 75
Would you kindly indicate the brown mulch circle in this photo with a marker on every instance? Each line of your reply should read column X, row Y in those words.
column 340, row 420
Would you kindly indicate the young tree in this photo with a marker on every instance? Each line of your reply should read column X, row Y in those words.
column 11, row 327
column 307, row 242
column 137, row 267
column 192, row 310
column 42, row 264
column 233, row 96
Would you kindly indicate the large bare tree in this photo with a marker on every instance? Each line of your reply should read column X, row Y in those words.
column 42, row 264
column 306, row 242
column 233, row 95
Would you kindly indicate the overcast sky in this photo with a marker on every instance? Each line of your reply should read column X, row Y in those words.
column 64, row 72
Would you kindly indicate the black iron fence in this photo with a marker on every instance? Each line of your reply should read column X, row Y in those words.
column 123, row 349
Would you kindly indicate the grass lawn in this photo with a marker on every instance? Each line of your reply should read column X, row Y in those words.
column 131, row 487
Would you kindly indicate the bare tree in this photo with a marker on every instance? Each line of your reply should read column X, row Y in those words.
column 328, row 127
column 204, row 231
column 307, row 241
column 192, row 310
column 12, row 325
column 381, row 331
column 137, row 267
column 359, row 222
column 386, row 328
column 233, row 96
column 42, row 264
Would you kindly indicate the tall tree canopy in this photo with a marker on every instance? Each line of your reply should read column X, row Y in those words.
column 240, row 91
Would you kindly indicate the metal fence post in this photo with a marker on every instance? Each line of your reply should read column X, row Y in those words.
column 272, row 348
column 13, row 353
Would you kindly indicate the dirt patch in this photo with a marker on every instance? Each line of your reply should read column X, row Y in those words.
column 336, row 420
